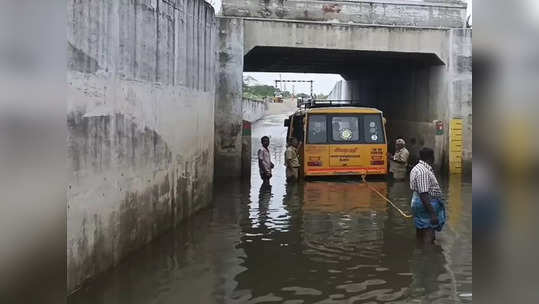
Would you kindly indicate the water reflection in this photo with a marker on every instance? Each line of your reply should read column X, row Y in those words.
column 332, row 241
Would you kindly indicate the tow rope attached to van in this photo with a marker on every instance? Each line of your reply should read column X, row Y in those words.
column 385, row 198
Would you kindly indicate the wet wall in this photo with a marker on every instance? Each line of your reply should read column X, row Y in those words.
column 141, row 91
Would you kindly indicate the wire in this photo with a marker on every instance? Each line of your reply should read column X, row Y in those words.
column 385, row 198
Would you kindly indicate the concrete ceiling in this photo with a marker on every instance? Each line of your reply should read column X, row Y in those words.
column 343, row 62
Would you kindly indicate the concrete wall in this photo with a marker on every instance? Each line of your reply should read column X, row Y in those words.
column 253, row 110
column 228, row 103
column 460, row 88
column 141, row 91
column 338, row 91
column 376, row 12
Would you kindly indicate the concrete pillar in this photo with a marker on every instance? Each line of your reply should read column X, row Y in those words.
column 246, row 150
column 460, row 89
column 228, row 99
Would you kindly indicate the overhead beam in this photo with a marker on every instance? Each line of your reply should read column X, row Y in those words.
column 345, row 37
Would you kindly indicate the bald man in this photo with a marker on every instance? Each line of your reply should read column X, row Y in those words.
column 399, row 161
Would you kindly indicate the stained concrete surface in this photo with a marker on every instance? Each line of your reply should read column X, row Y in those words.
column 228, row 99
column 442, row 13
column 141, row 91
column 342, row 37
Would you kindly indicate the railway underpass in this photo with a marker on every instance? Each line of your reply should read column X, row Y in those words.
column 155, row 121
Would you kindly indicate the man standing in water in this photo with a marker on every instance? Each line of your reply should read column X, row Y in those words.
column 292, row 160
column 264, row 160
column 427, row 204
column 399, row 161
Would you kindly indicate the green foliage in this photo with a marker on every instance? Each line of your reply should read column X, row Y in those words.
column 320, row 96
column 285, row 94
column 249, row 95
column 258, row 91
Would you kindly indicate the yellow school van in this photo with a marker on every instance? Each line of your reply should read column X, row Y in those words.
column 339, row 138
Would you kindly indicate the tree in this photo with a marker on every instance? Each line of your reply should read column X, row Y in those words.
column 320, row 96
column 258, row 91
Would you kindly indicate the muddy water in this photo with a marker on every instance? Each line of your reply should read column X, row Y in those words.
column 316, row 242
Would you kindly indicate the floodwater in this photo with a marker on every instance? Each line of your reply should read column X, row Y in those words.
column 332, row 241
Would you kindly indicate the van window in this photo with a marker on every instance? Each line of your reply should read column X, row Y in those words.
column 373, row 130
column 345, row 128
column 317, row 129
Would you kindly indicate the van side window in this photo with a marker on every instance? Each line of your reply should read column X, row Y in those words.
column 317, row 129
column 373, row 130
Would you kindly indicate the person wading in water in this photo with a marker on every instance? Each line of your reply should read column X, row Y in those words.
column 291, row 157
column 399, row 161
column 264, row 161
column 427, row 203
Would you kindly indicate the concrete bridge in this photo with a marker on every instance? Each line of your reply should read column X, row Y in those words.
column 411, row 59
column 155, row 97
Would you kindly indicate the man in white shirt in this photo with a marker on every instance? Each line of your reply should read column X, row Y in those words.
column 291, row 157
column 264, row 160
column 427, row 201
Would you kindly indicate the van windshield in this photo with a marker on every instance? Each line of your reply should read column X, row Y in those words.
column 345, row 129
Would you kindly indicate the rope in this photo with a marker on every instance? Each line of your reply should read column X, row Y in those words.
column 385, row 198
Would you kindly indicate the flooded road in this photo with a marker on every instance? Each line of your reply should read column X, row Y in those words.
column 316, row 242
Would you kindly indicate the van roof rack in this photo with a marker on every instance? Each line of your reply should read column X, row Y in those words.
column 320, row 103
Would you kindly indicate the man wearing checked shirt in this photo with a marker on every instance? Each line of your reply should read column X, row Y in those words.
column 427, row 202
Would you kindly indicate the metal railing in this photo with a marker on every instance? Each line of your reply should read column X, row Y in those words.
column 318, row 103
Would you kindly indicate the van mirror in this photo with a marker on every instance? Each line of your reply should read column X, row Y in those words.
column 287, row 122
